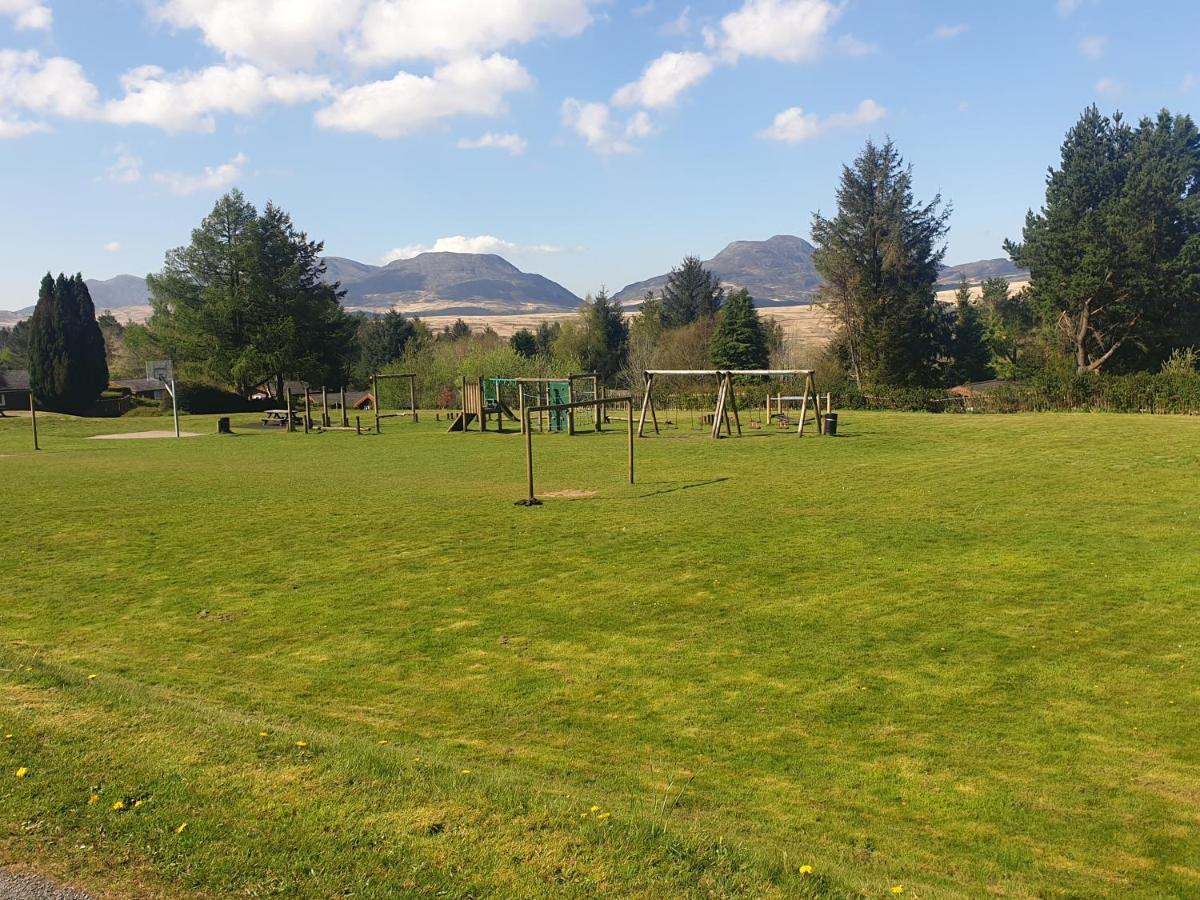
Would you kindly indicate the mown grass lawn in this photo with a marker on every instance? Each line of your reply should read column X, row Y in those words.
column 953, row 654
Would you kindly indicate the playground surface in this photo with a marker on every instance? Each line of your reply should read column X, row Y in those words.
column 954, row 655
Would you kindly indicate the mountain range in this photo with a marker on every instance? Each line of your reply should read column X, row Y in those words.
column 777, row 271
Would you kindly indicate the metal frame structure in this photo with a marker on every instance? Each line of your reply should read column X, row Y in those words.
column 599, row 404
column 726, row 400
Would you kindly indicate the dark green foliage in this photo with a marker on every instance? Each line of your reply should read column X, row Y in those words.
column 524, row 342
column 1007, row 322
column 1114, row 254
column 740, row 341
column 605, row 335
column 457, row 331
column 245, row 302
column 969, row 347
column 383, row 340
column 207, row 399
column 547, row 334
column 691, row 292
column 14, row 346
column 879, row 257
column 67, row 367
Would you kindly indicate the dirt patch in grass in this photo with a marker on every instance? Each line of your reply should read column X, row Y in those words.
column 570, row 494
column 141, row 435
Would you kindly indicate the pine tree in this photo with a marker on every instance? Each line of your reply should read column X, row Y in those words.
column 879, row 257
column 605, row 335
column 67, row 365
column 1007, row 320
column 525, row 343
column 1114, row 253
column 969, row 348
column 691, row 292
column 740, row 341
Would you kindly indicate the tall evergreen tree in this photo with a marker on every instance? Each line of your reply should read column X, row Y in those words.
column 67, row 365
column 879, row 257
column 969, row 347
column 740, row 341
column 605, row 335
column 691, row 292
column 524, row 342
column 1114, row 253
column 1007, row 320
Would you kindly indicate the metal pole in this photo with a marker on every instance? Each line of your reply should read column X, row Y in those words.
column 375, row 400
column 629, row 404
column 33, row 418
column 412, row 398
column 530, row 500
column 175, row 407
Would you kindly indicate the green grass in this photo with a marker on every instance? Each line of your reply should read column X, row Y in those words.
column 957, row 654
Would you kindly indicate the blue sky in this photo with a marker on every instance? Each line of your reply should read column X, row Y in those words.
column 594, row 142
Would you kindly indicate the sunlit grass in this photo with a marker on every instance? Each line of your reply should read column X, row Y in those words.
column 952, row 654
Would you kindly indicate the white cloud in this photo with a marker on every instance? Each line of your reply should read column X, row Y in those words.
column 794, row 125
column 277, row 34
column 1093, row 46
column 28, row 14
column 595, row 123
column 664, row 80
column 1109, row 87
column 19, row 128
column 51, row 87
column 849, row 45
column 484, row 243
column 949, row 32
column 213, row 178
column 784, row 30
column 186, row 101
column 408, row 102
column 679, row 26
column 126, row 170
column 513, row 144
column 393, row 30
column 112, row 247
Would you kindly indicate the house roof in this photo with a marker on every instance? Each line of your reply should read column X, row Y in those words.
column 14, row 380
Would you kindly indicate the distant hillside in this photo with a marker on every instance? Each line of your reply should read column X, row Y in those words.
column 977, row 272
column 118, row 292
column 775, row 271
column 454, row 284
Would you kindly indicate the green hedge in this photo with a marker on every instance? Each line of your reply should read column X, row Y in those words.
column 206, row 399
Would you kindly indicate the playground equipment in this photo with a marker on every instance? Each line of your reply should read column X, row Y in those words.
column 598, row 405
column 495, row 397
column 377, row 399
column 726, row 399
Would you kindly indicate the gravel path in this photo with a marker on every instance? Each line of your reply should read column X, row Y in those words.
column 33, row 887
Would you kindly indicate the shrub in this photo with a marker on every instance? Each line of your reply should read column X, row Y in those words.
column 200, row 399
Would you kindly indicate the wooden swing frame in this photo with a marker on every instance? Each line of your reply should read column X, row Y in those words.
column 726, row 401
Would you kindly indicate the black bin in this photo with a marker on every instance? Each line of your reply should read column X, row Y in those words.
column 223, row 425
column 831, row 424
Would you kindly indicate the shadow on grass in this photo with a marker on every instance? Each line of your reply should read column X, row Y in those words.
column 677, row 486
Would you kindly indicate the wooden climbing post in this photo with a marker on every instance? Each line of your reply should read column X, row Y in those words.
column 33, row 419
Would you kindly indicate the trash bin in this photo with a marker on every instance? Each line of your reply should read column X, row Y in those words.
column 223, row 425
column 831, row 424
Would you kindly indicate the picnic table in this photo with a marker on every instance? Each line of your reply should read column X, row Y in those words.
column 279, row 417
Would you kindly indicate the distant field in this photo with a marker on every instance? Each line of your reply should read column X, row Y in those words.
column 952, row 654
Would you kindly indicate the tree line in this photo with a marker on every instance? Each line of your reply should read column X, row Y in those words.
column 1113, row 256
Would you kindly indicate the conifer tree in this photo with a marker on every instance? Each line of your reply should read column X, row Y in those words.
column 969, row 348
column 740, row 341
column 67, row 366
column 691, row 292
column 879, row 258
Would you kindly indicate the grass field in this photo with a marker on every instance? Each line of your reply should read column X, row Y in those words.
column 953, row 654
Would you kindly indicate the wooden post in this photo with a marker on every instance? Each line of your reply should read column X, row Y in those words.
column 521, row 404
column 530, row 500
column 412, row 396
column 291, row 426
column 33, row 419
column 358, row 424
column 733, row 402
column 375, row 401
column 307, row 410
column 324, row 407
column 571, row 411
column 345, row 414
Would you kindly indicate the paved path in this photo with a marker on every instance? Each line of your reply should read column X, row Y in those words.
column 33, row 887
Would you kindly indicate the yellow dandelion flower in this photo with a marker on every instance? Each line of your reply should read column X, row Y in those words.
column 897, row 889
column 594, row 808
column 416, row 759
column 301, row 743
column 91, row 678
column 602, row 816
column 466, row 771
column 381, row 743
column 22, row 772
column 119, row 805
column 182, row 826
column 137, row 803
column 7, row 736
column 93, row 800
column 806, row 870
column 263, row 734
